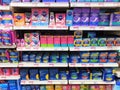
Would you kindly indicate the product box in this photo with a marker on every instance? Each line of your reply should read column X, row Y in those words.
column 78, row 42
column 94, row 16
column 50, row 41
column 86, row 42
column 91, row 34
column 6, row 71
column 34, row 74
column 56, row 41
column 85, row 54
column 62, row 0
column 44, row 74
column 44, row 16
column 110, row 41
column 14, row 56
column 74, row 58
column 84, row 87
column 73, row 74
column 75, row 87
column 52, row 19
column 102, row 42
column 27, row 38
column 104, row 19
column 70, row 41
column 25, row 0
column 69, row 17
column 63, row 75
column 117, row 42
column 85, row 16
column 24, row 74
column 38, row 57
column 94, row 54
column 60, row 19
column 94, row 42
column 32, row 57
column 35, row 17
column 64, row 42
column 72, row 0
column 19, row 19
column 115, row 19
column 94, row 60
column 35, row 40
column 103, row 57
column 43, row 41
column 49, row 87
column 78, row 34
column 84, row 74
column 48, row 0
column 97, row 74
column 45, row 57
column 35, row 0
column 76, row 17
column 54, row 57
column 6, row 2
column 84, row 60
column 64, row 57
column 53, row 74
column 27, row 19
column 58, row 87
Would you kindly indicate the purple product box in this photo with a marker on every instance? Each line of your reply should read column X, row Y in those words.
column 94, row 16
column 85, row 16
column 62, row 0
column 76, row 16
column 48, row 0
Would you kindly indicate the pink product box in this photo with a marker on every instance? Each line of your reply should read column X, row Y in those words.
column 22, row 43
column 43, row 39
column 18, row 43
column 35, row 41
column 50, row 39
column 63, row 39
column 70, row 39
column 56, row 39
column 27, row 38
column 60, row 19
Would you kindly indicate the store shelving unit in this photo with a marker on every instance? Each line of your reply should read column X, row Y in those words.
column 43, row 4
column 4, row 7
column 32, row 64
column 8, row 64
column 93, row 64
column 12, row 77
column 96, row 28
column 90, row 82
column 45, row 82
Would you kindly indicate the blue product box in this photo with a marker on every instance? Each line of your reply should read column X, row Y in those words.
column 64, row 57
column 63, row 75
column 34, row 74
column 73, row 74
column 94, row 60
column 45, row 57
column 48, row 0
column 74, row 58
column 86, row 42
column 28, row 88
column 44, row 74
column 62, row 0
column 84, row 74
column 97, row 75
column 24, row 74
column 109, row 77
column 42, row 87
column 6, row 2
column 53, row 73
column 84, row 60
column 85, row 54
column 72, row 0
column 38, row 58
column 12, row 85
column 25, row 57
column 37, row 87
column 32, row 57
column 69, row 17
column 54, row 57
column 94, row 54
column 91, row 34
column 14, row 56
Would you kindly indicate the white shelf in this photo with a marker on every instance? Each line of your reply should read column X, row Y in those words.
column 40, row 28
column 3, row 46
column 6, row 27
column 43, row 4
column 38, row 82
column 93, row 64
column 32, row 64
column 8, row 64
column 95, row 48
column 12, row 77
column 95, row 4
column 4, row 7
column 43, row 49
column 102, row 28
column 90, row 82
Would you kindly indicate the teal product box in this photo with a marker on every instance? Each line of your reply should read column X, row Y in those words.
column 34, row 74
column 72, row 0
column 42, row 87
column 94, row 0
column 115, row 19
column 84, row 60
column 74, row 58
column 102, row 42
column 86, row 42
column 91, row 34
column 54, row 57
column 85, row 54
column 64, row 57
column 38, row 58
column 44, row 74
column 63, row 75
column 100, row 0
column 84, row 74
column 97, row 75
column 94, row 54
column 53, row 74
column 69, row 17
column 45, row 57
column 94, row 42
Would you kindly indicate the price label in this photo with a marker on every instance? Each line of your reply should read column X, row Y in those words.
column 65, row 27
column 30, row 82
column 21, row 65
column 87, row 4
column 101, row 4
column 73, row 64
column 101, row 65
column 93, row 48
column 47, row 4
column 3, row 77
column 58, row 27
column 109, row 47
column 92, row 65
column 95, row 82
column 51, row 64
column 34, row 4
column 102, row 28
column 36, row 65
column 77, row 48
column 92, row 28
column 51, row 27
column 49, row 82
column 82, row 82
column 23, row 82
column 83, row 65
column 76, row 28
